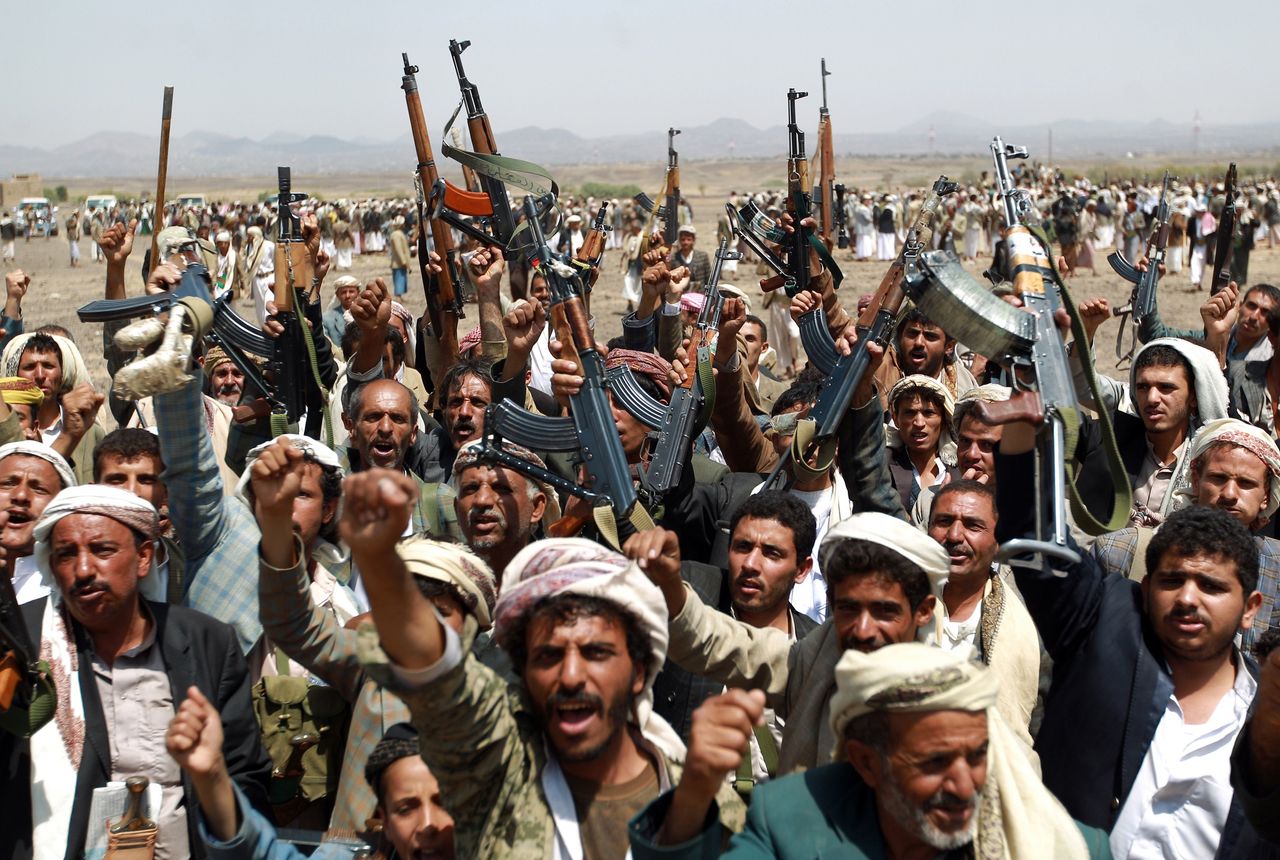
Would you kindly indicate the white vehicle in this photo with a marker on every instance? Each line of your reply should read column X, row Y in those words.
column 186, row 201
column 42, row 214
column 100, row 202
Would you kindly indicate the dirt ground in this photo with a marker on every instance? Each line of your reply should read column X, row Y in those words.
column 57, row 289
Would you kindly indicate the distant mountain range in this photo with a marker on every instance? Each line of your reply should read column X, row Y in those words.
column 198, row 153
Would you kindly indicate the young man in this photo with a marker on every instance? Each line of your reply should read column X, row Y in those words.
column 922, row 451
column 570, row 751
column 921, row 346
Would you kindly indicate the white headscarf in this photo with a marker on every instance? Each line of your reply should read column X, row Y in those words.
column 894, row 534
column 27, row 448
column 1242, row 435
column 326, row 553
column 1017, row 817
column 73, row 368
column 916, row 382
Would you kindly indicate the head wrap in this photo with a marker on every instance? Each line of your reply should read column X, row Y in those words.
column 552, row 567
column 400, row 741
column 120, row 505
column 647, row 364
column 255, row 232
column 894, row 534
column 399, row 310
column 1016, row 815
column 18, row 390
column 783, row 424
column 469, row 341
column 919, row 382
column 73, row 368
column 455, row 565
column 214, row 356
column 171, row 239
column 1242, row 435
column 325, row 552
column 222, row 236
column 692, row 301
column 469, row 455
column 687, row 228
column 43, row 452
column 989, row 393
column 347, row 281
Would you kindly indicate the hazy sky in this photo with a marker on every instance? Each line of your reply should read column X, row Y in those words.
column 325, row 67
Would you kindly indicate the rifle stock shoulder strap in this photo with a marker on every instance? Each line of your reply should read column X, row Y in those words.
column 606, row 522
column 1122, row 499
column 828, row 261
column 512, row 171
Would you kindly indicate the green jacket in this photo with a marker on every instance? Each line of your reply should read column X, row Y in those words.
column 827, row 813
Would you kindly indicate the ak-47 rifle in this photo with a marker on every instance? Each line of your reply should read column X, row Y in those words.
column 1226, row 235
column 824, row 191
column 469, row 179
column 293, row 276
column 162, row 173
column 680, row 420
column 669, row 211
column 842, row 218
column 1028, row 343
column 813, row 447
column 1142, row 300
column 444, row 305
column 761, row 233
column 590, row 428
column 592, row 251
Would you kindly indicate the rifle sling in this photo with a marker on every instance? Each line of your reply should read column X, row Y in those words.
column 511, row 171
column 1122, row 500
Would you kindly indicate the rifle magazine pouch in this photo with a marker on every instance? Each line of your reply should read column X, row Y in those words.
column 304, row 731
column 31, row 697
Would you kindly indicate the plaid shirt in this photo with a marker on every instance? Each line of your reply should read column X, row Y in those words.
column 218, row 534
column 1114, row 553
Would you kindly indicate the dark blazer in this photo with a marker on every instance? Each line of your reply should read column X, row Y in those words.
column 197, row 650
column 1110, row 680
column 677, row 693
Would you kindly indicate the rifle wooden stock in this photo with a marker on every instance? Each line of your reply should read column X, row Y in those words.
column 826, row 178
column 443, row 307
column 162, row 174
column 1023, row 406
column 291, row 257
column 884, row 295
column 570, row 525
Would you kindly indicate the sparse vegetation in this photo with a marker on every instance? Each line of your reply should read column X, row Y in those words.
column 605, row 189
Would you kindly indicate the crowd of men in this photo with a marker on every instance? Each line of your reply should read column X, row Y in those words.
column 369, row 627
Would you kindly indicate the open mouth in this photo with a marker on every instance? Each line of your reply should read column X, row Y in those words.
column 382, row 452
column 18, row 518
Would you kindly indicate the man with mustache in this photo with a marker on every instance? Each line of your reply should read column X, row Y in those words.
column 226, row 381
column 878, row 570
column 555, row 763
column 1235, row 467
column 31, row 474
column 921, row 346
column 924, row 768
column 122, row 664
column 500, row 510
column 1147, row 672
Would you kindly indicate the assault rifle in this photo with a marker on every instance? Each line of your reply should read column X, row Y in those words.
column 669, row 212
column 293, row 276
column 1142, row 300
column 761, row 233
column 1226, row 235
column 1028, row 342
column 684, row 417
column 444, row 304
column 813, row 449
column 490, row 207
column 590, row 428
column 592, row 251
column 824, row 191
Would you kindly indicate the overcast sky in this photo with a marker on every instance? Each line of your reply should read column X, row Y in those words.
column 595, row 68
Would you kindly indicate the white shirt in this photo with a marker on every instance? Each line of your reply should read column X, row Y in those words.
column 1179, row 802
column 28, row 585
column 810, row 596
column 50, row 434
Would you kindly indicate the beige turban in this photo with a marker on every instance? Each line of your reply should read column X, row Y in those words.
column 172, row 239
column 989, row 393
column 552, row 567
column 894, row 534
column 117, row 504
column 455, row 565
column 1242, row 435
column 469, row 455
column 16, row 390
column 39, row 450
column 1017, row 816
column 919, row 382
column 214, row 356
column 346, row 281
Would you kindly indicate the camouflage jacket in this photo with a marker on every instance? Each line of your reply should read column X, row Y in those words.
column 479, row 737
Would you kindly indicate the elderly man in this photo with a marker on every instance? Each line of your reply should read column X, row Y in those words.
column 878, row 571
column 294, row 617
column 554, row 764
column 226, row 380
column 684, row 254
column 31, row 474
column 345, row 290
column 1148, row 672
column 225, row 274
column 1234, row 467
column 122, row 664
column 925, row 767
column 500, row 510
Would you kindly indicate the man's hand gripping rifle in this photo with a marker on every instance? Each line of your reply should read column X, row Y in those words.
column 669, row 211
column 1142, row 301
column 1027, row 341
column 589, row 429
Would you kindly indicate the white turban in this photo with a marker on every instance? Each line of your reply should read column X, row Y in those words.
column 43, row 452
column 1242, row 435
column 1017, row 816
column 897, row 535
column 323, row 551
column 553, row 567
column 171, row 239
column 223, row 236
column 120, row 505
column 73, row 368
column 917, row 382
